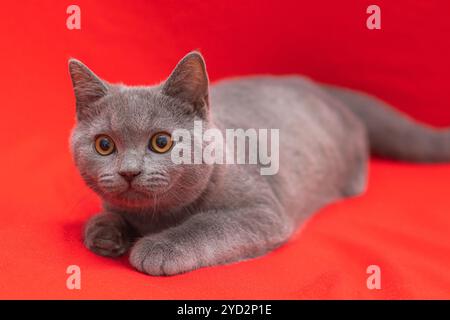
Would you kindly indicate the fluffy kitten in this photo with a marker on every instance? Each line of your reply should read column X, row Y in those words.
column 179, row 217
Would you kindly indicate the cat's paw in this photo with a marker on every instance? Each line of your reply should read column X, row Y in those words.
column 161, row 257
column 106, row 240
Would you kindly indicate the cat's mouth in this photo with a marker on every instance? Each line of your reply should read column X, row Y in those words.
column 136, row 193
column 140, row 193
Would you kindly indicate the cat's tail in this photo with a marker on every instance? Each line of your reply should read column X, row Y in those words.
column 393, row 134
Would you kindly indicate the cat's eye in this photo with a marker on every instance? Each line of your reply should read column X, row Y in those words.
column 104, row 145
column 161, row 142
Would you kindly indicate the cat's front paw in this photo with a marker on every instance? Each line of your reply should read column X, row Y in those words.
column 161, row 257
column 106, row 240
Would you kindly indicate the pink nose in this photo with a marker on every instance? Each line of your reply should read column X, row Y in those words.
column 129, row 175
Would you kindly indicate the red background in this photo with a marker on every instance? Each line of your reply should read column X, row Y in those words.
column 401, row 224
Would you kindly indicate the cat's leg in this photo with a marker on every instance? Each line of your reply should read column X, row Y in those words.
column 108, row 234
column 356, row 178
column 211, row 238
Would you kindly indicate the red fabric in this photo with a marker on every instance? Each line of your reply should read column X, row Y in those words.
column 401, row 224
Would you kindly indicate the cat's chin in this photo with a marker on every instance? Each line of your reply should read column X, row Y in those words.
column 135, row 199
column 131, row 203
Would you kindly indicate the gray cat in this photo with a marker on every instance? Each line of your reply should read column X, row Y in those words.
column 179, row 217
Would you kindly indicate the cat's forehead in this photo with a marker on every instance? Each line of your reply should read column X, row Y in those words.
column 129, row 103
column 137, row 108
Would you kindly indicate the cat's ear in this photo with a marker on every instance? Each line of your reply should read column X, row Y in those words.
column 87, row 86
column 189, row 82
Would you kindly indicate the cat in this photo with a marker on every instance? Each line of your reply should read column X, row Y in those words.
column 174, row 218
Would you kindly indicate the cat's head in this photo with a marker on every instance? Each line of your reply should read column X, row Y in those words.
column 122, row 139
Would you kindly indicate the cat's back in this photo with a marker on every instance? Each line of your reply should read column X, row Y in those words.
column 256, row 101
column 283, row 102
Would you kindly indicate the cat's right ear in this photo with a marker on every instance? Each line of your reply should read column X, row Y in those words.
column 87, row 86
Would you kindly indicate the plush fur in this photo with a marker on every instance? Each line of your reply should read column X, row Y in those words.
column 178, row 217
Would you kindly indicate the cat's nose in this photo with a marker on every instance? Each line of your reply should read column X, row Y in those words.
column 129, row 175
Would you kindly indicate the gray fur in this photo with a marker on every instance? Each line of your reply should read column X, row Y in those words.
column 179, row 218
column 393, row 134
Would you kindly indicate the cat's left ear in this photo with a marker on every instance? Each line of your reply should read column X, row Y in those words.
column 87, row 86
column 189, row 82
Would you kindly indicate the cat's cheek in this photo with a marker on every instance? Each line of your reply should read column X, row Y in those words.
column 157, row 256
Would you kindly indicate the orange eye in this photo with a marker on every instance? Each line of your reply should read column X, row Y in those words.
column 104, row 145
column 161, row 142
